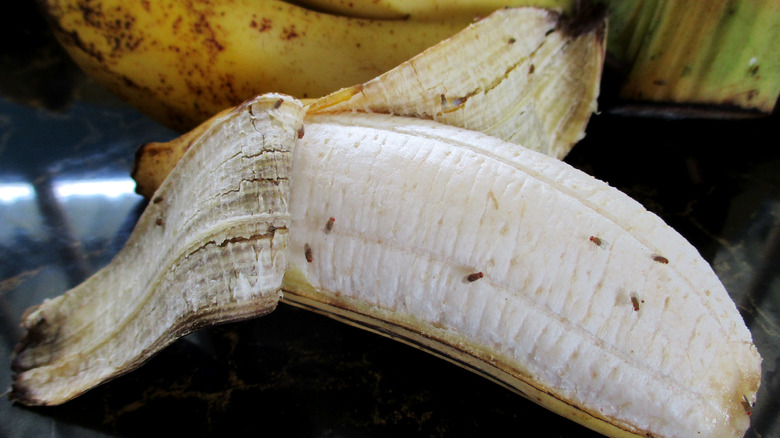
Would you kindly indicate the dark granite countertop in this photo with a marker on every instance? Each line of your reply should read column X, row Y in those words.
column 67, row 206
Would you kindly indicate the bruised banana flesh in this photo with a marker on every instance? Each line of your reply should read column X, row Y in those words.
column 503, row 260
column 526, row 75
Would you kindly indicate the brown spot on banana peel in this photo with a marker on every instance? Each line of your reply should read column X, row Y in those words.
column 264, row 25
column 117, row 28
column 36, row 333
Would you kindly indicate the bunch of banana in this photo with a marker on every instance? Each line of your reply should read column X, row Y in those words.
column 181, row 62
column 504, row 260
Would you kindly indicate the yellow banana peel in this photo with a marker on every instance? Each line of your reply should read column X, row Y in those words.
column 181, row 62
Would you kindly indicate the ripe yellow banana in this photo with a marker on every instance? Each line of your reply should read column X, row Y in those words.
column 525, row 75
column 180, row 62
column 506, row 261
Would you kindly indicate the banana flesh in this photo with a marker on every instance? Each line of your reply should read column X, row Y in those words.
column 521, row 74
column 503, row 260
column 519, row 267
column 209, row 248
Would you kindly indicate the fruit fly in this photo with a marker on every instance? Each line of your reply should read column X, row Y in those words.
column 660, row 259
column 474, row 277
column 307, row 253
column 635, row 301
column 329, row 224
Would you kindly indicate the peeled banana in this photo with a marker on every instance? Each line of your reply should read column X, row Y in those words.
column 506, row 261
column 519, row 267
column 526, row 75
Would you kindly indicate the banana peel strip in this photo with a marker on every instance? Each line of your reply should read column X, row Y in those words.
column 209, row 248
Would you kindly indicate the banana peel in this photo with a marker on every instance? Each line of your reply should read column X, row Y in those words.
column 221, row 223
column 527, row 75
